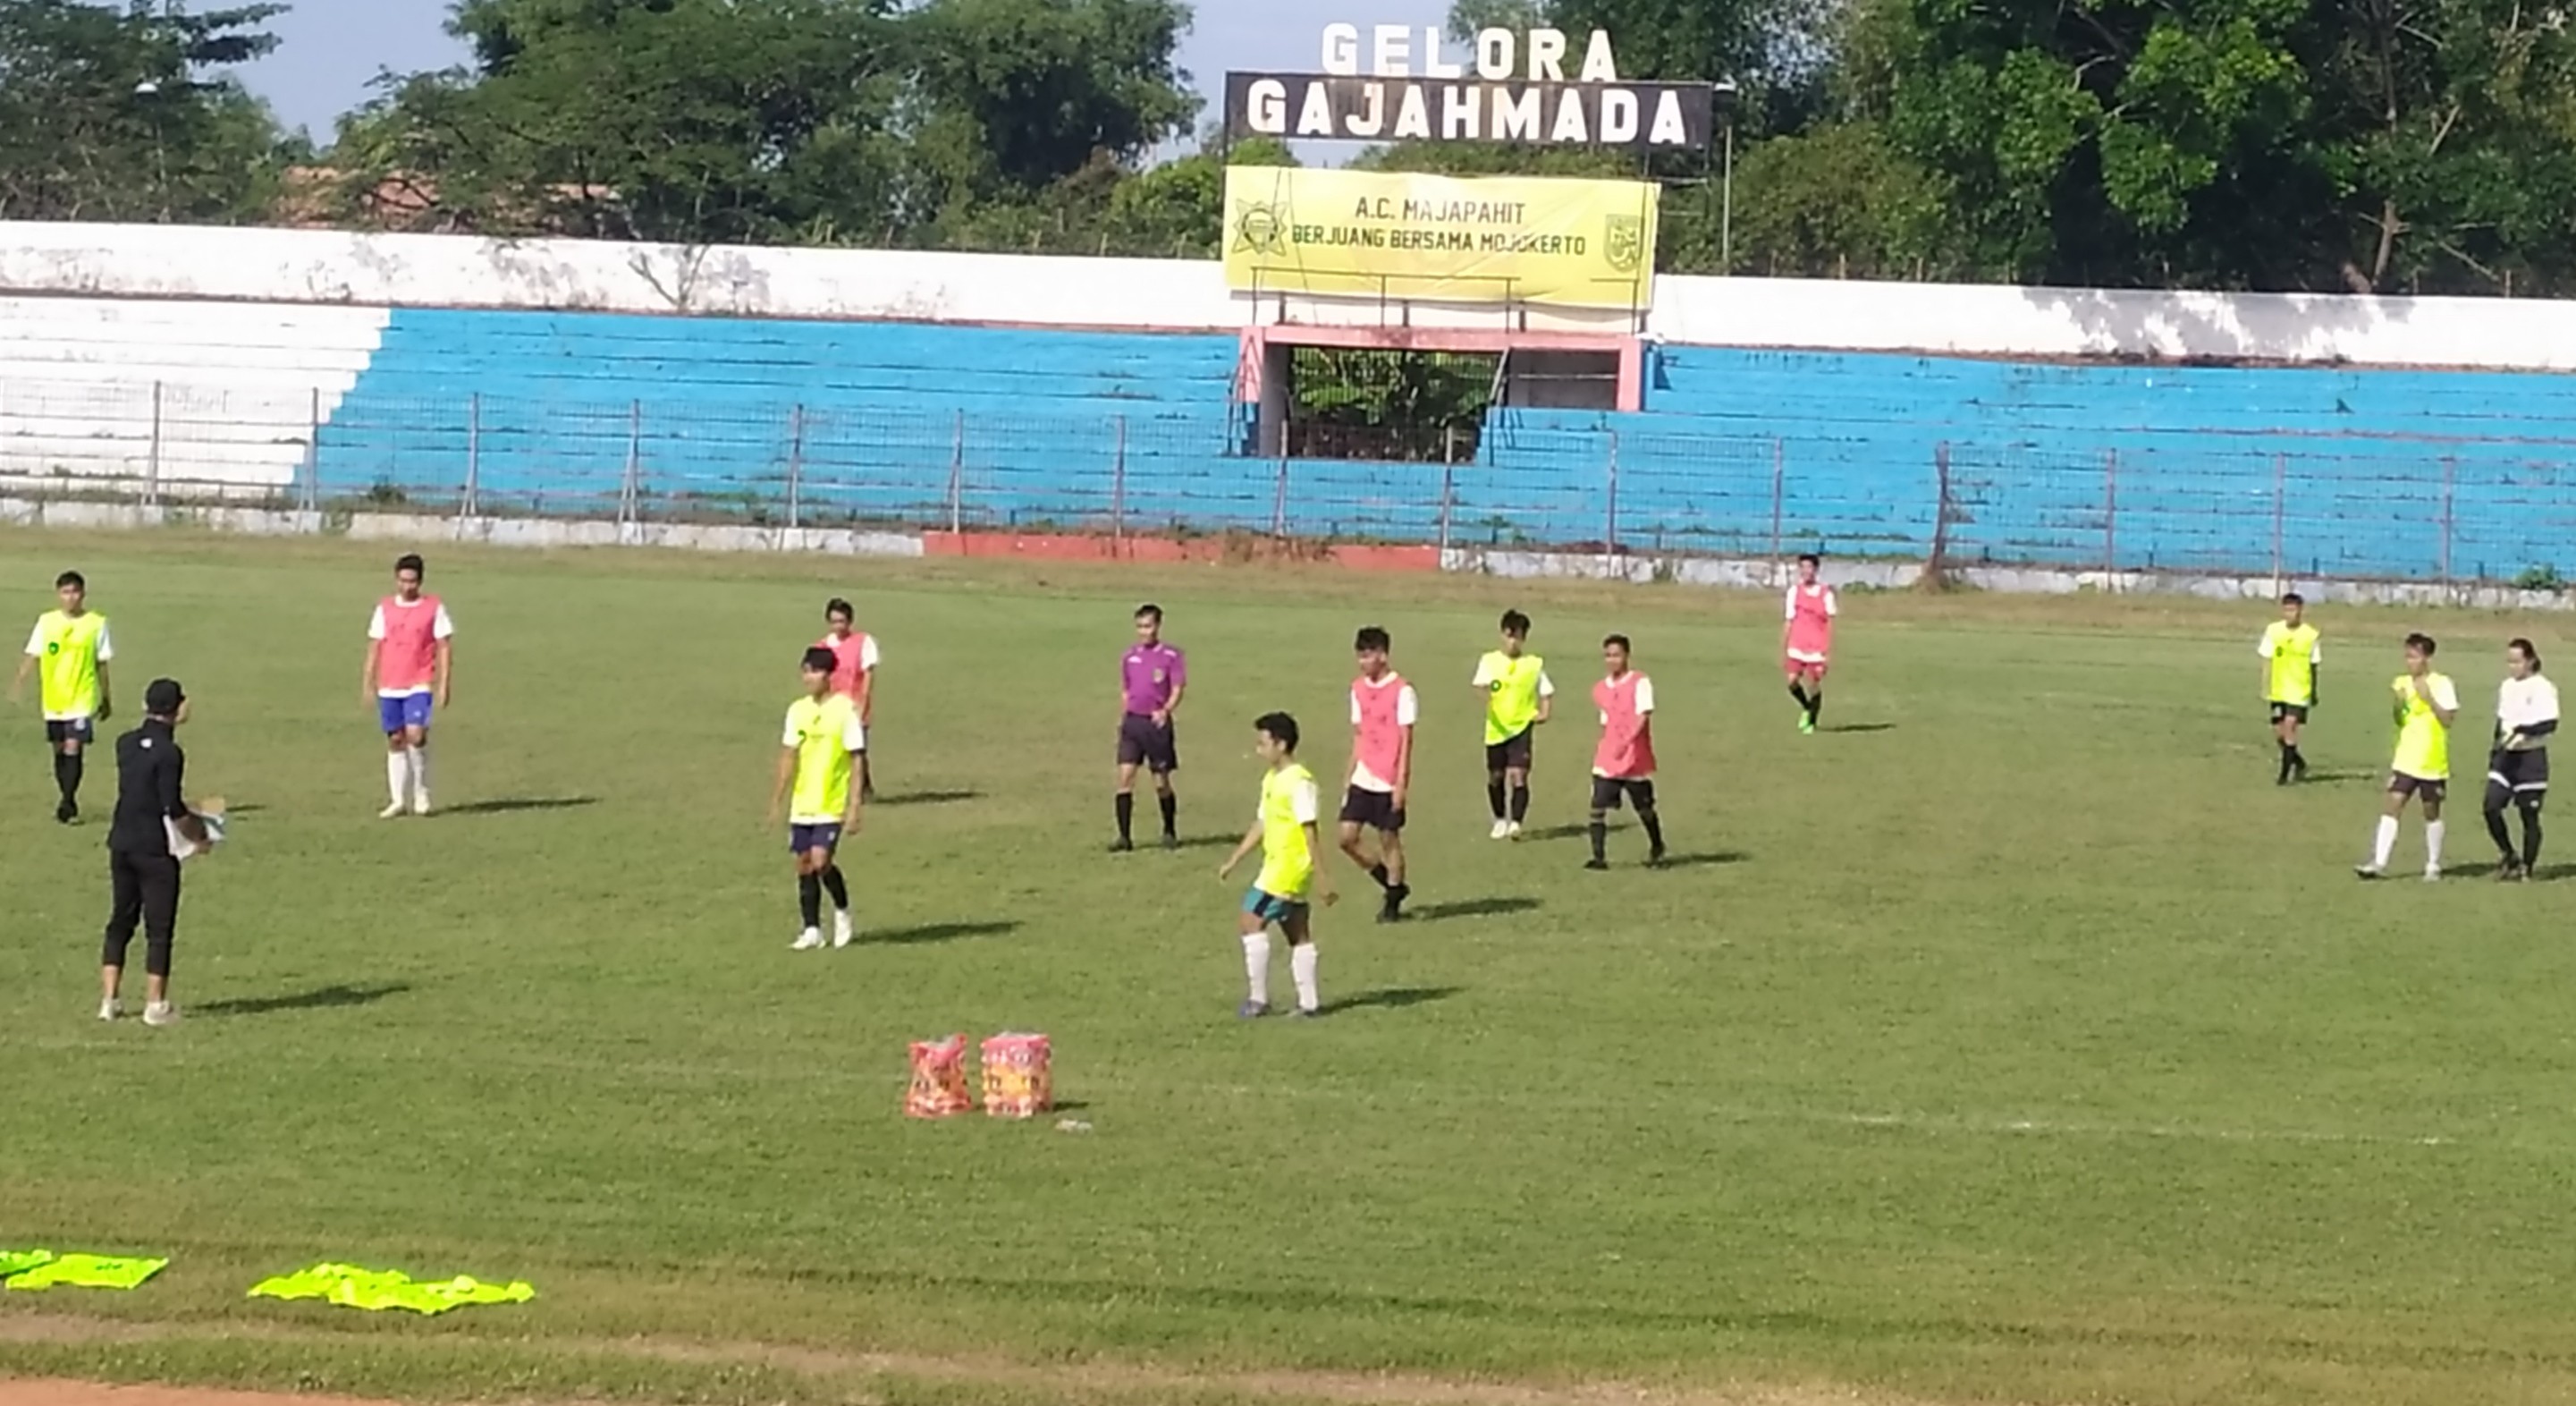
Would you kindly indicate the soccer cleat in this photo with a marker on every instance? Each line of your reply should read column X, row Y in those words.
column 1171, row 841
column 67, row 812
column 2432, row 873
column 2509, row 870
column 1502, row 830
column 1596, row 865
column 1121, row 845
column 1511, row 829
column 2299, row 770
column 159, row 1013
column 1305, row 1013
column 807, row 940
column 1655, row 858
column 1252, row 1010
column 110, row 1009
column 2368, row 871
column 1806, row 726
column 842, row 932
column 393, row 812
column 420, row 804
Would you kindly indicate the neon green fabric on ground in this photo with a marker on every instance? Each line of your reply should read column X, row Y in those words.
column 17, row 1262
column 375, row 1290
column 88, row 1272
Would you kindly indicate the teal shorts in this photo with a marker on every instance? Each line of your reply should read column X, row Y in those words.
column 1271, row 908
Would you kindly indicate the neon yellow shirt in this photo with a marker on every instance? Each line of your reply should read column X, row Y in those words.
column 2295, row 656
column 1288, row 805
column 1513, row 686
column 69, row 649
column 824, row 735
column 2423, row 742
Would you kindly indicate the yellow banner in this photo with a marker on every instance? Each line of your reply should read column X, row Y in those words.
column 1500, row 239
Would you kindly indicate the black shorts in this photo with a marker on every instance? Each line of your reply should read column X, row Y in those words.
column 1140, row 743
column 2295, row 712
column 2400, row 784
column 1510, row 754
column 1606, row 791
column 2524, row 774
column 56, row 729
column 1375, row 809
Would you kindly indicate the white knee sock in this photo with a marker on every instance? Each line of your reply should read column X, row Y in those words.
column 420, row 771
column 398, row 774
column 2433, row 843
column 2387, row 844
column 1301, row 964
column 1256, row 966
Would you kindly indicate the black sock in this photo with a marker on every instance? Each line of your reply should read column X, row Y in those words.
column 1520, row 803
column 1378, row 872
column 1816, row 707
column 838, row 887
column 2297, row 762
column 2289, row 758
column 809, row 899
column 1798, row 691
column 1600, row 836
column 2530, row 836
column 1171, row 814
column 1494, row 794
column 2497, row 832
column 1126, row 816
column 67, row 773
column 1654, row 824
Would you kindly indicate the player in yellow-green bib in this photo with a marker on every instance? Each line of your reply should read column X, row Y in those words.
column 816, row 755
column 1518, row 698
column 2290, row 658
column 69, row 651
column 1286, row 831
column 2424, row 704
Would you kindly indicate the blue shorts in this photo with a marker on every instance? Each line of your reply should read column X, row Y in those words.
column 409, row 710
column 801, row 838
column 1271, row 908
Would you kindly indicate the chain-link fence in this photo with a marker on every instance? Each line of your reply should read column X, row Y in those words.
column 2288, row 505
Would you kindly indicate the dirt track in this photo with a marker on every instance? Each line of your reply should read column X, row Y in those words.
column 75, row 1394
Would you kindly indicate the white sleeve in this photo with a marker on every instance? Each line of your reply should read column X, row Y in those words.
column 1408, row 707
column 1305, row 803
column 868, row 654
column 2264, row 646
column 1791, row 600
column 854, row 733
column 2445, row 697
column 1833, row 603
column 442, row 627
column 1484, row 673
column 106, row 646
column 1645, row 696
column 376, row 624
column 1546, row 685
column 1355, row 705
column 36, row 640
column 793, row 736
column 2545, row 698
column 2316, row 654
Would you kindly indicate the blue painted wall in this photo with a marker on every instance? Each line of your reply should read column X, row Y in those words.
column 2357, row 473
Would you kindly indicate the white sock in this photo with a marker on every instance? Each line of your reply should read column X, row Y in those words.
column 420, row 769
column 1256, row 966
column 2433, row 843
column 398, row 775
column 2387, row 844
column 1301, row 963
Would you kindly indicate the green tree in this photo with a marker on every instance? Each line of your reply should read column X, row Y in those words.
column 126, row 114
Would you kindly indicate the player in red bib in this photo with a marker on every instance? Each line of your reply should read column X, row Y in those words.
column 854, row 675
column 1384, row 710
column 1623, row 766
column 411, row 661
column 1807, row 640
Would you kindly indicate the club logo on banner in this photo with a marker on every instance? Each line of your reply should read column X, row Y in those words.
column 1570, row 243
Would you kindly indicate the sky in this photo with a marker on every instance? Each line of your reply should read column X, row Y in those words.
column 332, row 49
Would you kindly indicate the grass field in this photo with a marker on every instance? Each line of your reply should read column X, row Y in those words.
column 2019, row 1042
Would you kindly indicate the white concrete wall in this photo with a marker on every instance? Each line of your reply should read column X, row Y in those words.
column 290, row 266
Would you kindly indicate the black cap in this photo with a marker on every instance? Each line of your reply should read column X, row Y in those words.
column 163, row 697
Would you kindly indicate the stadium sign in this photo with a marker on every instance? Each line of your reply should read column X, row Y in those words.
column 1402, row 86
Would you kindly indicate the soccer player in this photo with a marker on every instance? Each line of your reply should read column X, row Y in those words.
column 71, row 647
column 2518, row 770
column 2425, row 706
column 1624, row 763
column 1518, row 697
column 142, row 866
column 411, row 661
column 1292, row 854
column 854, row 674
column 2290, row 659
column 1807, row 640
column 816, row 757
column 1384, row 709
column 1152, row 678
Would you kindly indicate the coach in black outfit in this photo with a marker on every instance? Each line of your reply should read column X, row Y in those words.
column 150, row 769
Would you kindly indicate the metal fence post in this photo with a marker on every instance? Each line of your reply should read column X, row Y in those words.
column 2450, row 489
column 796, row 468
column 1448, row 485
column 1118, row 490
column 957, row 478
column 2110, row 515
column 1279, row 499
column 1610, row 527
column 309, row 492
column 630, row 490
column 152, row 463
column 1779, row 485
column 2280, row 517
column 473, row 456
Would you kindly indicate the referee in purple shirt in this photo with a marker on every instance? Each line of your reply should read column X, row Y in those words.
column 1152, row 679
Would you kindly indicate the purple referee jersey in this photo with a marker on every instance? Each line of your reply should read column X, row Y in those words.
column 1152, row 673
